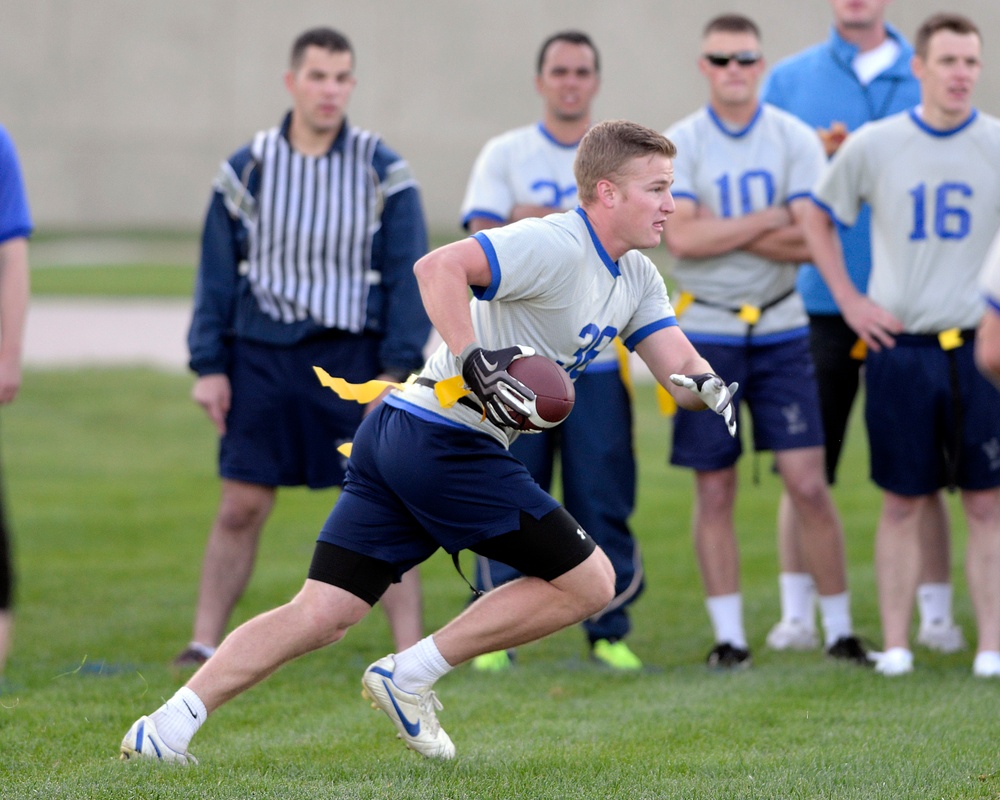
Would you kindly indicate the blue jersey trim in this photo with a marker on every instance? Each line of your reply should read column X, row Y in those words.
column 646, row 330
column 593, row 368
column 742, row 131
column 555, row 141
column 939, row 133
column 797, row 196
column 611, row 265
column 827, row 210
column 488, row 292
column 482, row 214
column 16, row 233
column 758, row 340
column 993, row 302
column 423, row 413
column 686, row 195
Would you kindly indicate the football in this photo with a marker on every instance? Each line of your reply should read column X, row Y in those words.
column 554, row 392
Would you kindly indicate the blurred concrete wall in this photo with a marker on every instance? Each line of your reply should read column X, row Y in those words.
column 122, row 109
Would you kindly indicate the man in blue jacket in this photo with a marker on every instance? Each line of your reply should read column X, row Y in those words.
column 859, row 74
column 307, row 260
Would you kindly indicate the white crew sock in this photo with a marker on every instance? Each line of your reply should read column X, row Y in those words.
column 179, row 718
column 934, row 601
column 835, row 612
column 726, row 613
column 418, row 667
column 798, row 598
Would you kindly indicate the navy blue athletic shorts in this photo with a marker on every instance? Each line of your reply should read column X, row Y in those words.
column 417, row 482
column 921, row 436
column 777, row 383
column 284, row 427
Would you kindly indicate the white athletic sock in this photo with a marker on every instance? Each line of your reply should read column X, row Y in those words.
column 835, row 612
column 418, row 667
column 934, row 601
column 798, row 597
column 726, row 613
column 179, row 718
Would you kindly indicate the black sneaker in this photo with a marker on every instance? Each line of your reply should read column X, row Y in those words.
column 849, row 648
column 725, row 656
column 189, row 657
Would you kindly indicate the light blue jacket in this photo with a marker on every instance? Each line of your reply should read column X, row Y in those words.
column 818, row 85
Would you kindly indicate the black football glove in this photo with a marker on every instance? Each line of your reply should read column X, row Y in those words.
column 714, row 393
column 502, row 395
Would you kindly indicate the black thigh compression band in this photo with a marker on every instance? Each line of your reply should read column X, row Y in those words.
column 543, row 548
column 361, row 575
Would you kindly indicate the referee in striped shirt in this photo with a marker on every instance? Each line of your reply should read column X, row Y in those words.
column 307, row 259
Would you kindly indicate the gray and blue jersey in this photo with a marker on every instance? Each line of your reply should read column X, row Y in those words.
column 558, row 291
column 522, row 166
column 772, row 161
column 935, row 198
column 990, row 277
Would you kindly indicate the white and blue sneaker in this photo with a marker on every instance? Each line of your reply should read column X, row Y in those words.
column 142, row 741
column 413, row 714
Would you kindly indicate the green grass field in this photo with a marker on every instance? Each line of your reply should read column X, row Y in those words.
column 111, row 487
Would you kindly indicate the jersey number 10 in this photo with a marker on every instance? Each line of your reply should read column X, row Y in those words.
column 950, row 220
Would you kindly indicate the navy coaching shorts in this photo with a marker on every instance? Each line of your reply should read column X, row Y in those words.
column 284, row 427
column 921, row 436
column 416, row 482
column 777, row 382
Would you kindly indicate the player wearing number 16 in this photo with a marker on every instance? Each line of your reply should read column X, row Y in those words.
column 932, row 178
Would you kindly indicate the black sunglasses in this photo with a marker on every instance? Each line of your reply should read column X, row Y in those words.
column 745, row 58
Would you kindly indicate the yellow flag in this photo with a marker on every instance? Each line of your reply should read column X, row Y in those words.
column 358, row 392
column 950, row 339
column 450, row 391
column 665, row 402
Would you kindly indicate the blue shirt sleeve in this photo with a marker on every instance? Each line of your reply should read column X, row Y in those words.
column 15, row 219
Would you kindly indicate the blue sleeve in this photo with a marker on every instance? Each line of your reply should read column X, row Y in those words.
column 400, row 314
column 215, row 291
column 772, row 93
column 15, row 219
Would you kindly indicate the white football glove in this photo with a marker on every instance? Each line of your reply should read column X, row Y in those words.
column 714, row 393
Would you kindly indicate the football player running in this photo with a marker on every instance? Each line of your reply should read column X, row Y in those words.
column 427, row 474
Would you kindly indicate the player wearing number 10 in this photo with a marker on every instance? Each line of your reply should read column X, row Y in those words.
column 932, row 179
column 744, row 170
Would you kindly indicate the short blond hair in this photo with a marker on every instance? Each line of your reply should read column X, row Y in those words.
column 609, row 147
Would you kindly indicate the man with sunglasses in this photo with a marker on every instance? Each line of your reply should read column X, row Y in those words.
column 743, row 175
column 859, row 74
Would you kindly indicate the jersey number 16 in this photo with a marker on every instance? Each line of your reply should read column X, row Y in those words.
column 950, row 220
